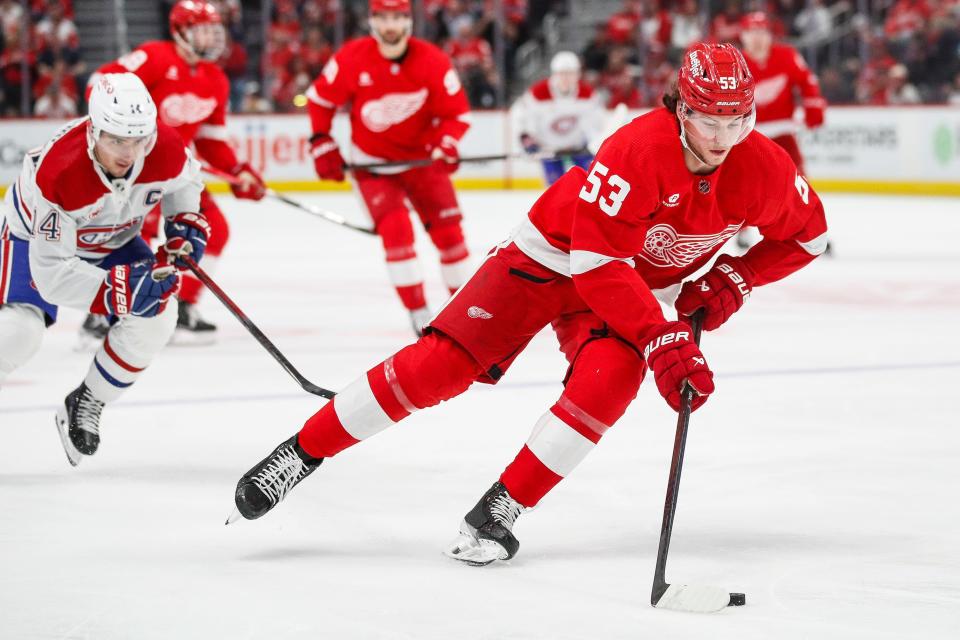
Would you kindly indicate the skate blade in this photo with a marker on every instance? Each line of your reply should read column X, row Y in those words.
column 468, row 550
column 63, row 430
column 233, row 517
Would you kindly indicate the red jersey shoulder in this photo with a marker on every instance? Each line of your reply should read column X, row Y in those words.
column 785, row 57
column 428, row 51
column 357, row 50
column 584, row 91
column 760, row 166
column 541, row 91
column 66, row 176
column 166, row 160
column 647, row 140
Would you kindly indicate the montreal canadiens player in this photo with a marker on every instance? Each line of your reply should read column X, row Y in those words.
column 560, row 115
column 406, row 104
column 596, row 254
column 191, row 92
column 71, row 236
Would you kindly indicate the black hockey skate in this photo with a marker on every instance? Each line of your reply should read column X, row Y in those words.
column 486, row 533
column 191, row 328
column 92, row 332
column 261, row 488
column 78, row 422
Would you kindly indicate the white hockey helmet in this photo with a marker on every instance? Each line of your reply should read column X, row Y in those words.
column 121, row 106
column 565, row 61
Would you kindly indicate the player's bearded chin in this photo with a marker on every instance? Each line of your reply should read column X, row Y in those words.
column 393, row 31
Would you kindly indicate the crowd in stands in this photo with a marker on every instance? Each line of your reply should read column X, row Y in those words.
column 904, row 52
column 42, row 43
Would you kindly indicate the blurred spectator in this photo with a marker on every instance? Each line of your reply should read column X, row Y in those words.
column 618, row 81
column 234, row 63
column 898, row 88
column 685, row 28
column 11, row 13
column 657, row 75
column 621, row 27
column 905, row 18
column 725, row 26
column 55, row 102
column 11, row 69
column 253, row 99
column 468, row 51
column 814, row 23
column 871, row 82
column 315, row 50
column 655, row 25
column 595, row 54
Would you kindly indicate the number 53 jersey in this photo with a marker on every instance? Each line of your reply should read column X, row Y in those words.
column 639, row 205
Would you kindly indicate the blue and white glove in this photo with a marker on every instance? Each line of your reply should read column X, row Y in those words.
column 187, row 234
column 139, row 289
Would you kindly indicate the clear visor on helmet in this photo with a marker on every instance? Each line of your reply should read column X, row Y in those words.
column 207, row 40
column 120, row 152
column 724, row 131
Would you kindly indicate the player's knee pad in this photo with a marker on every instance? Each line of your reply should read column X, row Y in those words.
column 434, row 369
column 138, row 340
column 21, row 331
column 395, row 229
column 605, row 378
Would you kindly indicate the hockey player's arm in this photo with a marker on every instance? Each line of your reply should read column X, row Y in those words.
column 449, row 105
column 328, row 92
column 814, row 104
column 138, row 62
column 794, row 233
column 211, row 139
column 62, row 278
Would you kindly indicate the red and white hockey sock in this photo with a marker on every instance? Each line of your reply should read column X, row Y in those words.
column 421, row 375
column 406, row 276
column 560, row 441
column 454, row 255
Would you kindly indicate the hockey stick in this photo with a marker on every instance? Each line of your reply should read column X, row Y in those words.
column 305, row 384
column 329, row 216
column 422, row 162
column 684, row 597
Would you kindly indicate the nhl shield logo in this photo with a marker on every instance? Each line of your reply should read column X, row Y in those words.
column 704, row 187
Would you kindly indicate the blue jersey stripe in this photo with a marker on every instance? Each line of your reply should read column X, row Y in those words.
column 16, row 205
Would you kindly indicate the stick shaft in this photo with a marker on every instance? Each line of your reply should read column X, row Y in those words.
column 255, row 331
column 673, row 483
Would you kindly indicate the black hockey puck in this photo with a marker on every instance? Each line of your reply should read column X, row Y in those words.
column 737, row 600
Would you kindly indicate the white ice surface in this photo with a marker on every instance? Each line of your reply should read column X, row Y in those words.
column 821, row 479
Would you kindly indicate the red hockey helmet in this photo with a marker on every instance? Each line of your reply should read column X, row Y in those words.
column 756, row 20
column 196, row 26
column 381, row 6
column 714, row 79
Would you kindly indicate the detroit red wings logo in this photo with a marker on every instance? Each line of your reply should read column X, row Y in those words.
column 393, row 108
column 186, row 108
column 769, row 89
column 664, row 247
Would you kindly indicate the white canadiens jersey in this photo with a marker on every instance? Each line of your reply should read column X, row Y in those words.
column 558, row 122
column 74, row 215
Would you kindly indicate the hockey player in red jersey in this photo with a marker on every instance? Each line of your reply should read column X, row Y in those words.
column 70, row 236
column 597, row 255
column 781, row 74
column 191, row 93
column 406, row 104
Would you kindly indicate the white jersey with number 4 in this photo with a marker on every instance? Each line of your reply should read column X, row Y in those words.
column 73, row 214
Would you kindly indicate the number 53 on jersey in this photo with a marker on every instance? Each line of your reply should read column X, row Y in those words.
column 616, row 189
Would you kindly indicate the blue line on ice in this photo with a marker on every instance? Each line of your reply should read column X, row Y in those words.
column 877, row 368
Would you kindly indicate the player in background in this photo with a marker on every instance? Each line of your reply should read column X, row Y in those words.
column 191, row 92
column 595, row 255
column 406, row 104
column 784, row 82
column 560, row 115
column 70, row 236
